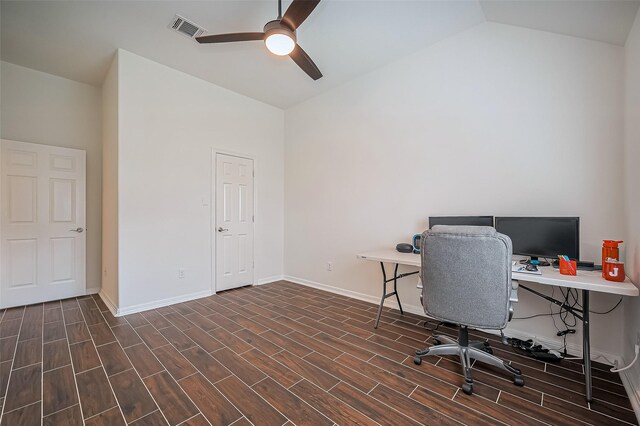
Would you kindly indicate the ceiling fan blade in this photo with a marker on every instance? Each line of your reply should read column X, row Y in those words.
column 303, row 60
column 298, row 11
column 226, row 38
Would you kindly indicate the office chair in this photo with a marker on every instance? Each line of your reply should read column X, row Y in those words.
column 466, row 279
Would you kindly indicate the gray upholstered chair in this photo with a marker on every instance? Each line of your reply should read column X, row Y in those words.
column 466, row 278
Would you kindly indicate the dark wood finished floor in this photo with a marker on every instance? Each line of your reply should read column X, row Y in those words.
column 273, row 354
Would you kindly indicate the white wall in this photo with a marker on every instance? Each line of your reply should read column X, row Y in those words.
column 45, row 109
column 169, row 122
column 632, row 196
column 110, row 87
column 491, row 121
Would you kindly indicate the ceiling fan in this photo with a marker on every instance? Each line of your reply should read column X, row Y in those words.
column 279, row 35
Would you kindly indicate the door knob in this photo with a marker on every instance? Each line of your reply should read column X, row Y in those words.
column 221, row 229
column 79, row 230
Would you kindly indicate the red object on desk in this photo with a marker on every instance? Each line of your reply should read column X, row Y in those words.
column 568, row 268
column 610, row 250
column 613, row 270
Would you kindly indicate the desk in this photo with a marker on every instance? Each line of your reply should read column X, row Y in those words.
column 586, row 281
column 396, row 258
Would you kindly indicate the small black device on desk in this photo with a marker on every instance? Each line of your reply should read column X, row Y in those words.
column 404, row 248
column 582, row 265
column 414, row 247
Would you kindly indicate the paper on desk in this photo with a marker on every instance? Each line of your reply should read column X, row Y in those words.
column 523, row 269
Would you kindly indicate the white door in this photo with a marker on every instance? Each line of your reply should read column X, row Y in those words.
column 42, row 247
column 233, row 221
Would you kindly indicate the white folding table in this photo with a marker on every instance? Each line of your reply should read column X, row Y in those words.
column 396, row 258
column 586, row 281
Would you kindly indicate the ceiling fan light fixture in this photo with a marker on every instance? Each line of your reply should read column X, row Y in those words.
column 280, row 42
column 279, row 39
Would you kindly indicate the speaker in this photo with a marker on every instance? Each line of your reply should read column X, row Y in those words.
column 404, row 248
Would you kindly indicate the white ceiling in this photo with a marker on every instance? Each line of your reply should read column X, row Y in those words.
column 77, row 39
column 601, row 20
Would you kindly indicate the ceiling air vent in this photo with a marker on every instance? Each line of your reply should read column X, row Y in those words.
column 185, row 27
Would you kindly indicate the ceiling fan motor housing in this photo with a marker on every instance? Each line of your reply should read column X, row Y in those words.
column 277, row 27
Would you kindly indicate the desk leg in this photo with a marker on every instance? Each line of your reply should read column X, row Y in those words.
column 384, row 294
column 395, row 279
column 395, row 288
column 586, row 344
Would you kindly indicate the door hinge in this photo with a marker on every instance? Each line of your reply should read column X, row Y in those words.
column 253, row 219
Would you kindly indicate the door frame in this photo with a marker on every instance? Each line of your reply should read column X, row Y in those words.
column 214, row 209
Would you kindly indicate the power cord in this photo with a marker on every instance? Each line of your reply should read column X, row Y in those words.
column 615, row 368
column 533, row 316
column 558, row 313
column 580, row 305
column 610, row 310
column 570, row 298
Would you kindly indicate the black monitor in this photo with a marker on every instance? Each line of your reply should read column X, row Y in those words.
column 461, row 220
column 542, row 236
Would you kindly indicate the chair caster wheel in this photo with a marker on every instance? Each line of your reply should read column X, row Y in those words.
column 488, row 350
column 467, row 388
column 518, row 381
column 417, row 360
column 436, row 342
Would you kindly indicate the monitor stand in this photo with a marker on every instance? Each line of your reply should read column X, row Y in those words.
column 534, row 261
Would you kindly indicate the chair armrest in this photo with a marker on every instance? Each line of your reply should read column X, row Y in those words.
column 514, row 297
column 515, row 284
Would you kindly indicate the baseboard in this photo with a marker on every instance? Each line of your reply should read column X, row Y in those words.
column 110, row 304
column 631, row 381
column 170, row 301
column 575, row 349
column 414, row 309
column 117, row 312
column 92, row 290
column 268, row 280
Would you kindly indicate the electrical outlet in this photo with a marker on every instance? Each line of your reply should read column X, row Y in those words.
column 181, row 273
column 329, row 266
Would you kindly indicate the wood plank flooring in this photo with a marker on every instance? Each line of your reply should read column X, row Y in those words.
column 275, row 354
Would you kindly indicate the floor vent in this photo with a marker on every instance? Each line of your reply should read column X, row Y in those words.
column 186, row 27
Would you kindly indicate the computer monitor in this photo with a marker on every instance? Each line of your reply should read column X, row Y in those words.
column 542, row 236
column 461, row 220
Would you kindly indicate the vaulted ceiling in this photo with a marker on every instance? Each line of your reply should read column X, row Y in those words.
column 77, row 39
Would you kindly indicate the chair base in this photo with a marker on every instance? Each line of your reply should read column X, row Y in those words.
column 481, row 345
column 467, row 351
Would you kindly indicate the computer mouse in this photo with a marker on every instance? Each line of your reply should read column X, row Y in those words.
column 532, row 268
